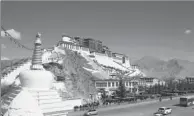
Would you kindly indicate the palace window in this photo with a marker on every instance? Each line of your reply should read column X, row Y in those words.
column 117, row 84
column 113, row 84
column 127, row 83
column 109, row 84
column 101, row 84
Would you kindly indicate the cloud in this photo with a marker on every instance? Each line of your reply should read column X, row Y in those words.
column 4, row 58
column 15, row 34
column 3, row 46
column 188, row 31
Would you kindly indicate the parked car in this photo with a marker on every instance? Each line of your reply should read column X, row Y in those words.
column 91, row 112
column 165, row 110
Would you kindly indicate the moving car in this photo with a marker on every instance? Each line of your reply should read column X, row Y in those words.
column 91, row 112
column 158, row 114
column 165, row 110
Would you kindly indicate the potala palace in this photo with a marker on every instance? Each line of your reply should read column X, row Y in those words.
column 31, row 83
column 93, row 51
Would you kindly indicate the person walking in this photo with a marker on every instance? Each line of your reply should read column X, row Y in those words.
column 160, row 99
column 170, row 97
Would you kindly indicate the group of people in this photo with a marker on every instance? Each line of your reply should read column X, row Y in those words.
column 87, row 106
column 95, row 105
column 118, row 101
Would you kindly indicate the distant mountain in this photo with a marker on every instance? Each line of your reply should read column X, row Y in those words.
column 188, row 68
column 156, row 67
column 148, row 62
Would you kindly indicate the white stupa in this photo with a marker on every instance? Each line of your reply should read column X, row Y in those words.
column 36, row 78
column 24, row 104
column 36, row 96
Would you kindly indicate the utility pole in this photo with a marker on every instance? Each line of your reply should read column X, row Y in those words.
column 11, row 65
column 158, row 86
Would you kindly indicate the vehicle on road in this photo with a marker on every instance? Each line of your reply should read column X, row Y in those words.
column 164, row 110
column 91, row 112
column 187, row 101
column 158, row 114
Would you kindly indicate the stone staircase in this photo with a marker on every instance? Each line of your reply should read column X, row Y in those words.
column 122, row 65
column 132, row 72
column 8, row 97
column 51, row 103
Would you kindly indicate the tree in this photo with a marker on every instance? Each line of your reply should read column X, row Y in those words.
column 142, row 88
column 121, row 90
column 103, row 95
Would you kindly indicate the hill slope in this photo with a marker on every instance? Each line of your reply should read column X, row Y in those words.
column 78, row 81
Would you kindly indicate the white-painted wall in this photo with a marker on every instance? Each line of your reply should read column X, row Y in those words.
column 10, row 78
column 108, row 61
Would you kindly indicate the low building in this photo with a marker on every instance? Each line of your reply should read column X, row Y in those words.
column 112, row 84
column 150, row 81
column 186, row 84
column 134, row 66
column 189, row 79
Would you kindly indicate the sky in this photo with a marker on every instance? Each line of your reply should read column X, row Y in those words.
column 160, row 29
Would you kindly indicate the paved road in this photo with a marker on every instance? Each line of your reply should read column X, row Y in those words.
column 143, row 109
